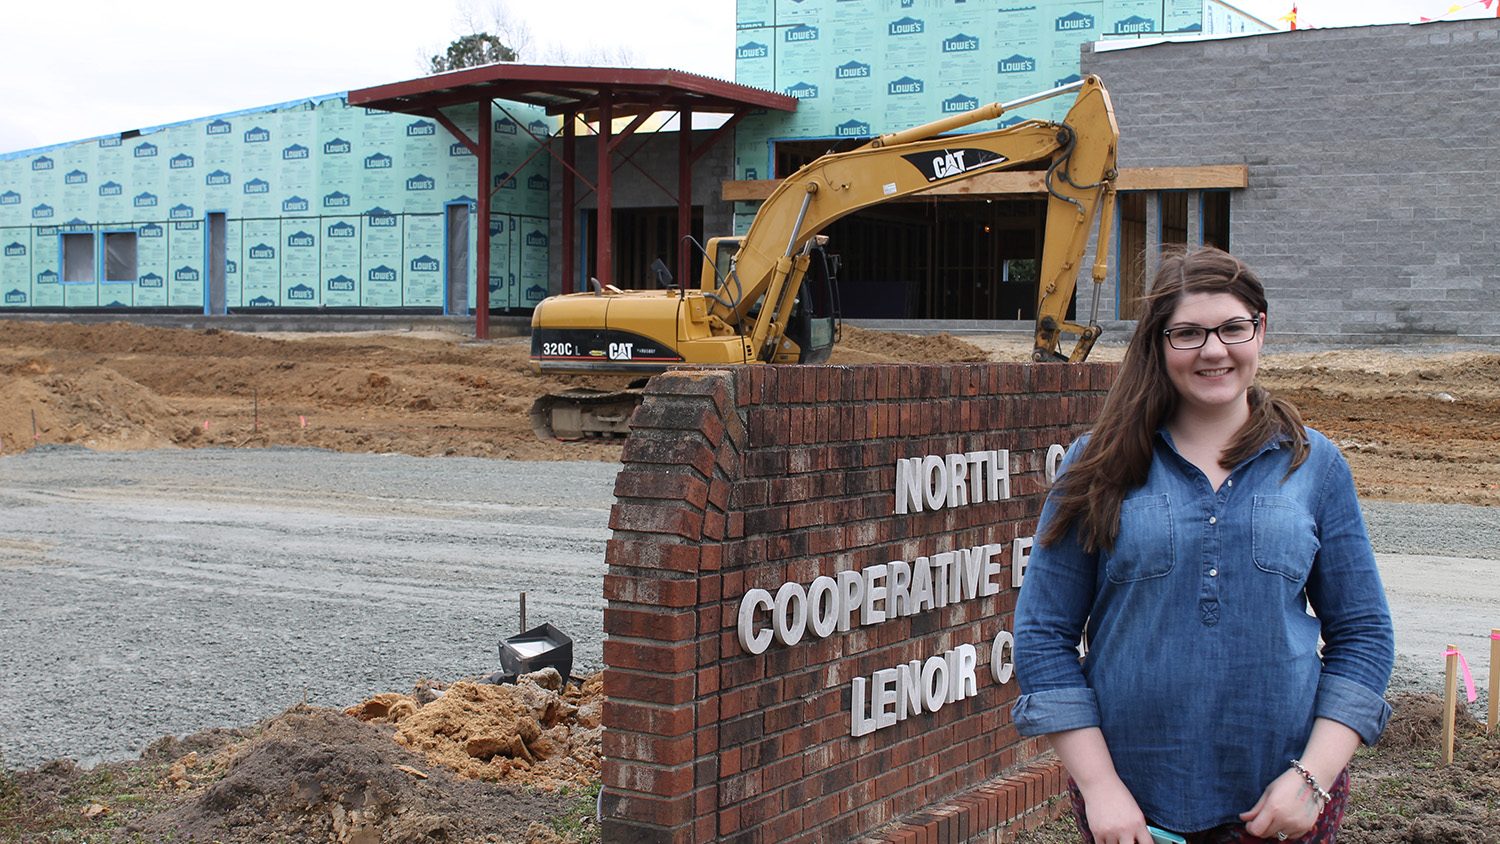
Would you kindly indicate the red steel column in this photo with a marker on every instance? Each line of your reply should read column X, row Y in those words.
column 684, row 195
column 604, row 253
column 482, row 250
column 569, row 214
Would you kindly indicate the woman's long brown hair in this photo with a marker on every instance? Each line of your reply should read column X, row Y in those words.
column 1117, row 457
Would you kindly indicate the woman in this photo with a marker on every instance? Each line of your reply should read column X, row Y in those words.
column 1188, row 536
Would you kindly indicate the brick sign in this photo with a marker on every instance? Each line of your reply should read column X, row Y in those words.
column 811, row 582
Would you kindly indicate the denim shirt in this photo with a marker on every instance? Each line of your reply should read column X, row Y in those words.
column 1203, row 669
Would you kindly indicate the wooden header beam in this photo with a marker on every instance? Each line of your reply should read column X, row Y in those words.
column 1202, row 177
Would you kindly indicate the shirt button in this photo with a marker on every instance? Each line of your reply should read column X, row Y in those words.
column 1213, row 520
column 1229, row 482
column 1213, row 572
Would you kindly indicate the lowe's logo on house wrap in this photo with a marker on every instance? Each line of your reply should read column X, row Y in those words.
column 231, row 267
column 217, row 177
column 960, row 103
column 106, row 143
column 293, row 204
column 421, row 128
column 218, row 127
column 180, row 161
column 425, row 264
column 382, row 273
column 420, row 182
column 262, row 252
column 1133, row 25
column 301, row 239
column 1017, row 63
column 41, row 163
column 505, row 181
column 752, row 50
column 337, row 146
column 505, row 126
column 150, row 230
column 535, row 293
column 42, row 212
column 15, row 250
column 300, row 292
column 538, row 127
column 906, row 26
column 337, row 199
column 536, row 238
column 257, row 136
column 378, row 161
column 341, row 229
column 904, row 85
column 111, row 189
column 380, row 218
column 15, row 297
column 76, row 225
column 1010, row 121
column 538, row 182
column 852, row 129
column 262, row 302
column 961, row 43
column 144, row 200
column 803, row 91
column 46, row 277
column 458, row 150
column 145, row 150
column 180, row 212
column 186, row 274
column 1067, row 80
column 150, row 280
column 76, row 177
column 295, row 152
column 10, row 197
column 1074, row 22
column 852, row 70
column 802, row 32
column 185, row 226
column 341, row 283
column 257, row 186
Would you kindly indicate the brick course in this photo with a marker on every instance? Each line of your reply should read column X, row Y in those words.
column 758, row 476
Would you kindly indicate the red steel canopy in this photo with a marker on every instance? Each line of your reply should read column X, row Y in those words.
column 594, row 94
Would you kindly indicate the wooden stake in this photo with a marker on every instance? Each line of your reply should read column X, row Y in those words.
column 34, row 438
column 523, row 612
column 1450, row 702
column 1494, row 679
column 255, row 421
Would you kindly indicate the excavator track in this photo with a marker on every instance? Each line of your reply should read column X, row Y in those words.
column 584, row 413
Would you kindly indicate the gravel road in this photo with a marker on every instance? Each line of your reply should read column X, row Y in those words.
column 145, row 593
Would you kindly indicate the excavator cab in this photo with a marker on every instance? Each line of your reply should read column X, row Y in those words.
column 814, row 324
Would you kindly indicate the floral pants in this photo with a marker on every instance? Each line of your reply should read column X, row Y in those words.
column 1325, row 832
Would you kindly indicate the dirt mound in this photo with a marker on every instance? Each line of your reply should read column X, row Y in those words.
column 529, row 732
column 858, row 345
column 315, row 774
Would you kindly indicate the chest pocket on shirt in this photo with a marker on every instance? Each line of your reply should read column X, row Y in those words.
column 1283, row 537
column 1145, row 547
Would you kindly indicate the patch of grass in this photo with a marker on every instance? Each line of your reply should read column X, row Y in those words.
column 579, row 822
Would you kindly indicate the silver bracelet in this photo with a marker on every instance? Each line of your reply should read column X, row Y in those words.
column 1312, row 782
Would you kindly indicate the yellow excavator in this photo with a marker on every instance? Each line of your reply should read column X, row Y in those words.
column 769, row 296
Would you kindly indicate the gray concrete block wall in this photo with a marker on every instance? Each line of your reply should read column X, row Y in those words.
column 1372, row 208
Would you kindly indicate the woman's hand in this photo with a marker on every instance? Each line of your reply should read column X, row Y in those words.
column 1286, row 809
column 1114, row 817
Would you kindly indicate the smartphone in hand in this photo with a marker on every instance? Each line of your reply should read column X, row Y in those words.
column 1161, row 836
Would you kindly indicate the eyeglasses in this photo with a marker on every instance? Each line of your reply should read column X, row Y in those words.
column 1231, row 333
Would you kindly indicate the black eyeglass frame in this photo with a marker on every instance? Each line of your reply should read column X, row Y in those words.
column 1254, row 332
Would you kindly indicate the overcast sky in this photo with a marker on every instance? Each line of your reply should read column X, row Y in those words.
column 75, row 70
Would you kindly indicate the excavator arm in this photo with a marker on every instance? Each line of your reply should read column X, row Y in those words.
column 1079, row 154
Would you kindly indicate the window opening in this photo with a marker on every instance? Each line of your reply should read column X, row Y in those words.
column 1216, row 218
column 78, row 258
column 120, row 256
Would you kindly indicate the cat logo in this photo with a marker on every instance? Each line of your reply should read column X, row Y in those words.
column 620, row 351
column 937, row 165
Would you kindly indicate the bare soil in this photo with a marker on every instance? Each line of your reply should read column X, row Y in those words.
column 480, row 765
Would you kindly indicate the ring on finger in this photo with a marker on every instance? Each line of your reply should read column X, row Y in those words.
column 1281, row 836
